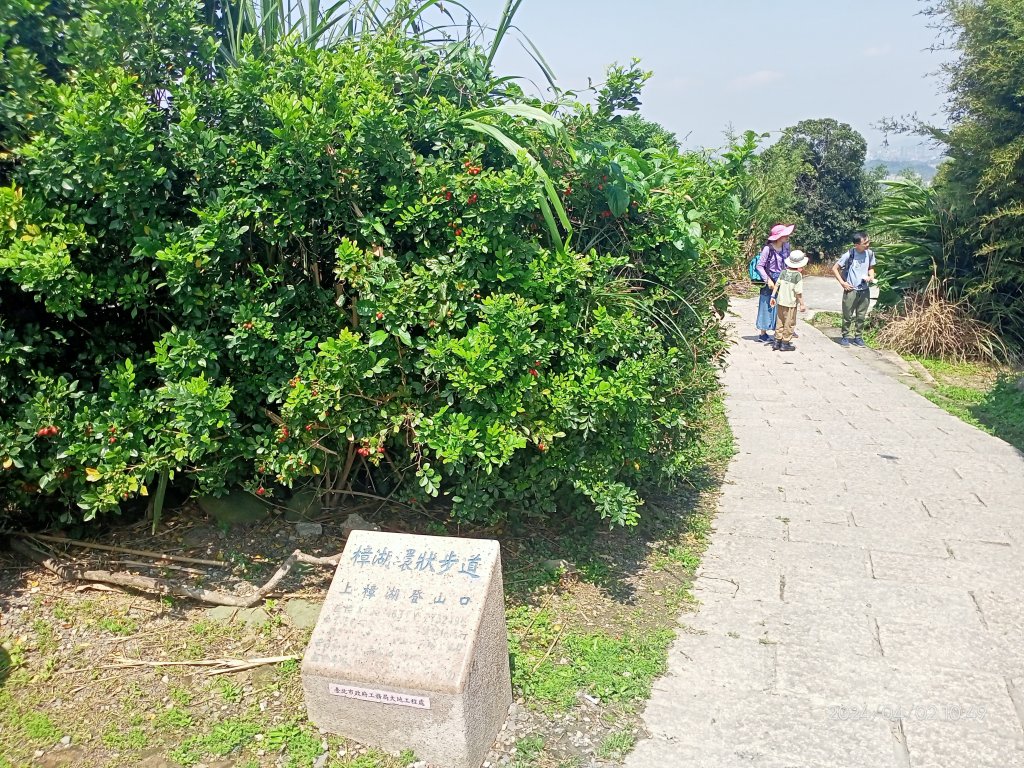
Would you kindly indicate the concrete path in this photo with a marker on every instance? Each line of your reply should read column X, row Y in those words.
column 862, row 599
column 823, row 294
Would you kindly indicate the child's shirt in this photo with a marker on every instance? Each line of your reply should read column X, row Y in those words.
column 790, row 286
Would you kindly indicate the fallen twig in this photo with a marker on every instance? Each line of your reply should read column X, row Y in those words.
column 220, row 666
column 124, row 550
column 82, row 687
column 550, row 649
column 168, row 566
column 69, row 572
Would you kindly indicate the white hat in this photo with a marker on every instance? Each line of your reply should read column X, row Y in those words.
column 796, row 259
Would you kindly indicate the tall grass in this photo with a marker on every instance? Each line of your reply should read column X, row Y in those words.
column 931, row 324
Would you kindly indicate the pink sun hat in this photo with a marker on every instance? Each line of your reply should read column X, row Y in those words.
column 780, row 230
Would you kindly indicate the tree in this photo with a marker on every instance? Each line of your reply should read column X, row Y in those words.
column 981, row 182
column 832, row 193
column 769, row 196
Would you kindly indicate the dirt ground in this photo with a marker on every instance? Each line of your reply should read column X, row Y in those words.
column 101, row 676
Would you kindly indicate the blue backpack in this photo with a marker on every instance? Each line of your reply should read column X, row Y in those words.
column 755, row 276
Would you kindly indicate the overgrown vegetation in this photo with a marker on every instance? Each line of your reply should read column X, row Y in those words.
column 372, row 265
column 964, row 235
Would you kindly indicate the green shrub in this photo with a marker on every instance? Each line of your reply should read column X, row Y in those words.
column 333, row 267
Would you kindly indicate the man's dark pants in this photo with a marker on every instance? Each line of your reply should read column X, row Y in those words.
column 855, row 311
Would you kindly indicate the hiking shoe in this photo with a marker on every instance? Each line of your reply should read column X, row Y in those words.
column 764, row 337
column 844, row 342
column 859, row 342
column 775, row 345
column 786, row 347
column 796, row 335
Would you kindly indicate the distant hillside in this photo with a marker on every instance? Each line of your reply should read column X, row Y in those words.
column 895, row 167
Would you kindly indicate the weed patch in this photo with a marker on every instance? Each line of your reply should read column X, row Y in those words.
column 552, row 666
column 173, row 718
column 19, row 723
column 132, row 739
column 223, row 739
column 616, row 745
column 301, row 745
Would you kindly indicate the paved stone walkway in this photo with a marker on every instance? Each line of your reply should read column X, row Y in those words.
column 862, row 599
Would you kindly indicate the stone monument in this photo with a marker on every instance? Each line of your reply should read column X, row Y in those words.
column 411, row 650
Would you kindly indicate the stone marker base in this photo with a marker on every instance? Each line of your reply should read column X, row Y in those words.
column 456, row 731
column 412, row 652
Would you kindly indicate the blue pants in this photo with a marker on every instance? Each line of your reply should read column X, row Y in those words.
column 766, row 315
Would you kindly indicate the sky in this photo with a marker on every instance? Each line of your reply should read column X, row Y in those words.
column 750, row 65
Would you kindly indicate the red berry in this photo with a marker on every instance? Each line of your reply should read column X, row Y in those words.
column 472, row 198
column 42, row 432
column 542, row 447
column 458, row 233
column 295, row 382
column 309, row 427
column 364, row 451
column 533, row 372
column 380, row 315
column 380, row 449
column 112, row 440
column 448, row 195
column 247, row 326
column 260, row 491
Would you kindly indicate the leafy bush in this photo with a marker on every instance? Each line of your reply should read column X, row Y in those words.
column 371, row 267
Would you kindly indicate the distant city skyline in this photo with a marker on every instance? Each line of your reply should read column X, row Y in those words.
column 740, row 64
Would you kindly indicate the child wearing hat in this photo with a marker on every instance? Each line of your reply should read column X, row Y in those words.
column 788, row 293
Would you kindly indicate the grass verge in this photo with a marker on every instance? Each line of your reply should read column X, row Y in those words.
column 986, row 396
column 996, row 408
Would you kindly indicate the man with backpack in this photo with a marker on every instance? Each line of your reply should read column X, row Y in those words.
column 855, row 271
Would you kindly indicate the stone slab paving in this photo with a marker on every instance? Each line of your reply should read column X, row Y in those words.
column 862, row 597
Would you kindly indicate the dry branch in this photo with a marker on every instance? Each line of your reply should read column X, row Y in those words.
column 69, row 572
column 126, row 551
column 220, row 666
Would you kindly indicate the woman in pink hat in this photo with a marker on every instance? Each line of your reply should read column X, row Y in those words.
column 770, row 265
